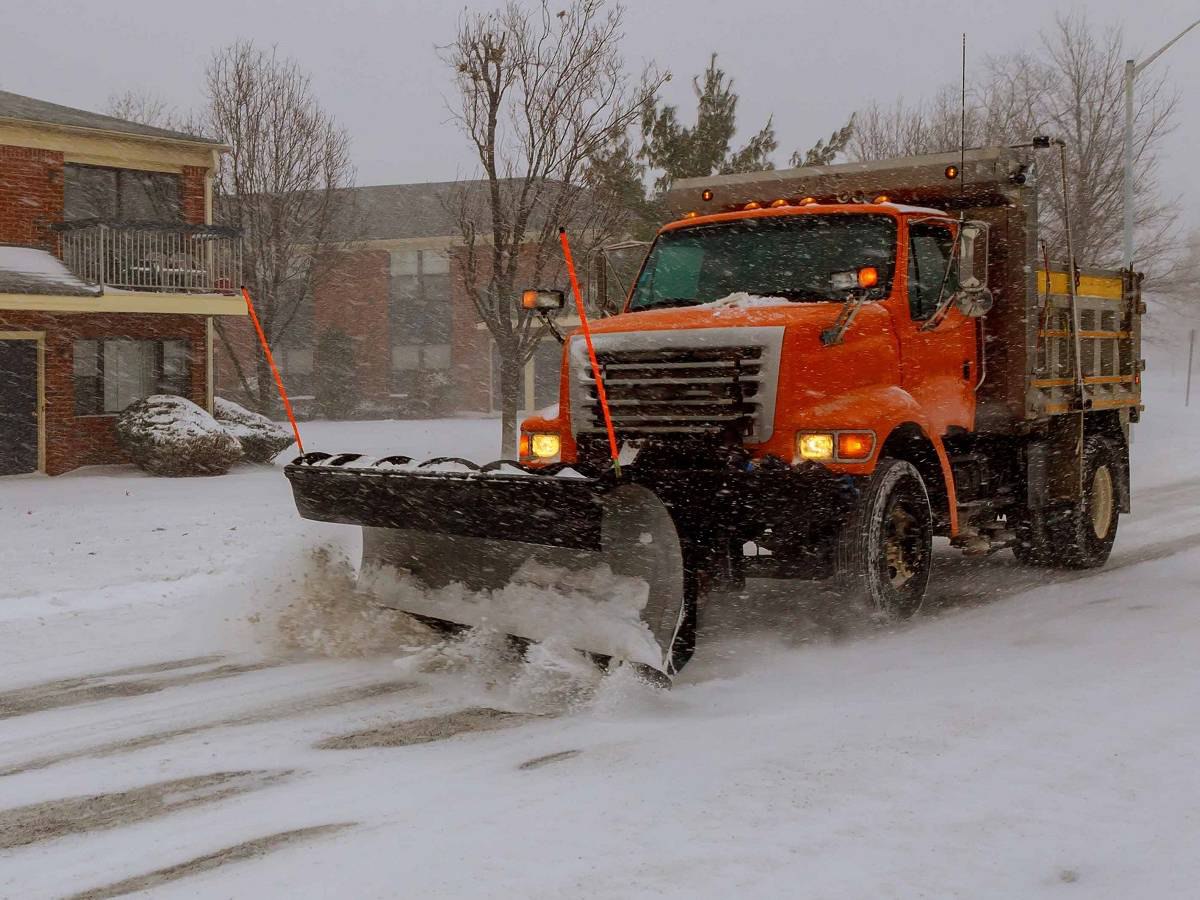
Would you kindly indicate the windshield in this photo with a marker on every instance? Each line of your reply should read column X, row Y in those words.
column 793, row 257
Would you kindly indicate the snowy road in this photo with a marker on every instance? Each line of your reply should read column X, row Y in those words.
column 178, row 716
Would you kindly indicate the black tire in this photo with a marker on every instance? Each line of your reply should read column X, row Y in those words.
column 885, row 549
column 683, row 647
column 1081, row 535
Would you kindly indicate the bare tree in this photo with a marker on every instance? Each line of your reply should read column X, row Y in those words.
column 1071, row 88
column 144, row 107
column 540, row 94
column 279, row 182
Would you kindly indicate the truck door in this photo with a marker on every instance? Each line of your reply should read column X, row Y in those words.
column 938, row 366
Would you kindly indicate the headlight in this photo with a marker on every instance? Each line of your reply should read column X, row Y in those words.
column 817, row 445
column 839, row 446
column 545, row 446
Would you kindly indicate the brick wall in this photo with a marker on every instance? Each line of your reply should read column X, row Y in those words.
column 73, row 441
column 471, row 348
column 191, row 194
column 352, row 295
column 31, row 196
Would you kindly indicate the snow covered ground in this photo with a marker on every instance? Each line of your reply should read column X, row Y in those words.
column 183, row 713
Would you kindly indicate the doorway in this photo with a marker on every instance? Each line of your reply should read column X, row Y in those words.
column 20, row 403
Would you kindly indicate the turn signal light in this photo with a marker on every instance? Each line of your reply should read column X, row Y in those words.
column 855, row 445
column 868, row 277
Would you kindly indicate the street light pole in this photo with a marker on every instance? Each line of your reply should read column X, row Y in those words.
column 1132, row 70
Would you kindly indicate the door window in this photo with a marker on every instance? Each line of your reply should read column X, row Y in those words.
column 930, row 248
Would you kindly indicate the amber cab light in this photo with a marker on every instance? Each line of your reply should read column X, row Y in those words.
column 855, row 445
column 808, row 201
column 951, row 172
column 868, row 277
column 706, row 195
column 753, row 204
column 775, row 204
column 545, row 446
column 882, row 198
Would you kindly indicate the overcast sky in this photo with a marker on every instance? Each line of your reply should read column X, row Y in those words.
column 374, row 63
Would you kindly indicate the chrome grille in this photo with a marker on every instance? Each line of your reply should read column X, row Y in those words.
column 694, row 389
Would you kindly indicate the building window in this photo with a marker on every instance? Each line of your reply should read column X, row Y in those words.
column 421, row 318
column 112, row 373
column 120, row 195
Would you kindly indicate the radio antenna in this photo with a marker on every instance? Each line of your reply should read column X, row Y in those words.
column 962, row 132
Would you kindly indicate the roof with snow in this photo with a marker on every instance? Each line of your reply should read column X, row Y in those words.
column 30, row 109
column 24, row 270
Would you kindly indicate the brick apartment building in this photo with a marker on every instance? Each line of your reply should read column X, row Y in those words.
column 394, row 286
column 110, row 276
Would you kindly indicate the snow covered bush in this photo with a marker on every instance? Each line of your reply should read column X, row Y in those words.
column 261, row 439
column 168, row 435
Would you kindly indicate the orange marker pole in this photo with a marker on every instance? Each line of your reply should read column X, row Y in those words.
column 587, row 337
column 262, row 339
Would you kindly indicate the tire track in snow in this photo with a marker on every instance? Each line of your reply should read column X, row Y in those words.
column 473, row 720
column 538, row 761
column 278, row 710
column 238, row 852
column 92, row 688
column 52, row 819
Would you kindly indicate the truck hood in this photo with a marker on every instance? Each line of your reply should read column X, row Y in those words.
column 741, row 310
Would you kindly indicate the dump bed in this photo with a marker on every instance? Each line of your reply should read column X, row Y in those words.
column 1028, row 340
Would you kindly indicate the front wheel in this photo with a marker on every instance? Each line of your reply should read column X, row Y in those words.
column 885, row 549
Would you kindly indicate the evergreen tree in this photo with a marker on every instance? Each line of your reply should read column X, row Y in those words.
column 680, row 151
column 823, row 152
column 336, row 377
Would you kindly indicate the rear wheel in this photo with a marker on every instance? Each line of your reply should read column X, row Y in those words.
column 885, row 549
column 1079, row 536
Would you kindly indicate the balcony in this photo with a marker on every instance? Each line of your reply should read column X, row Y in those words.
column 174, row 259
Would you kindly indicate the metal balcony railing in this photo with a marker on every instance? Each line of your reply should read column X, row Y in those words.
column 195, row 259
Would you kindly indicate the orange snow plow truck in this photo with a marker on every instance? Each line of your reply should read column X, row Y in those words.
column 816, row 372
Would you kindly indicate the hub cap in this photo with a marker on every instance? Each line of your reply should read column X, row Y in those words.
column 901, row 547
column 1102, row 502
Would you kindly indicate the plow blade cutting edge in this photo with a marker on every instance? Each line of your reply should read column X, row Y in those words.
column 592, row 563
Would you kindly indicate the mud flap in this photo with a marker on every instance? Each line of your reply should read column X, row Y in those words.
column 588, row 563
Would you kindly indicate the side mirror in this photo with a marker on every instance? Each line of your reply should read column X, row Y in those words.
column 973, row 298
column 543, row 301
